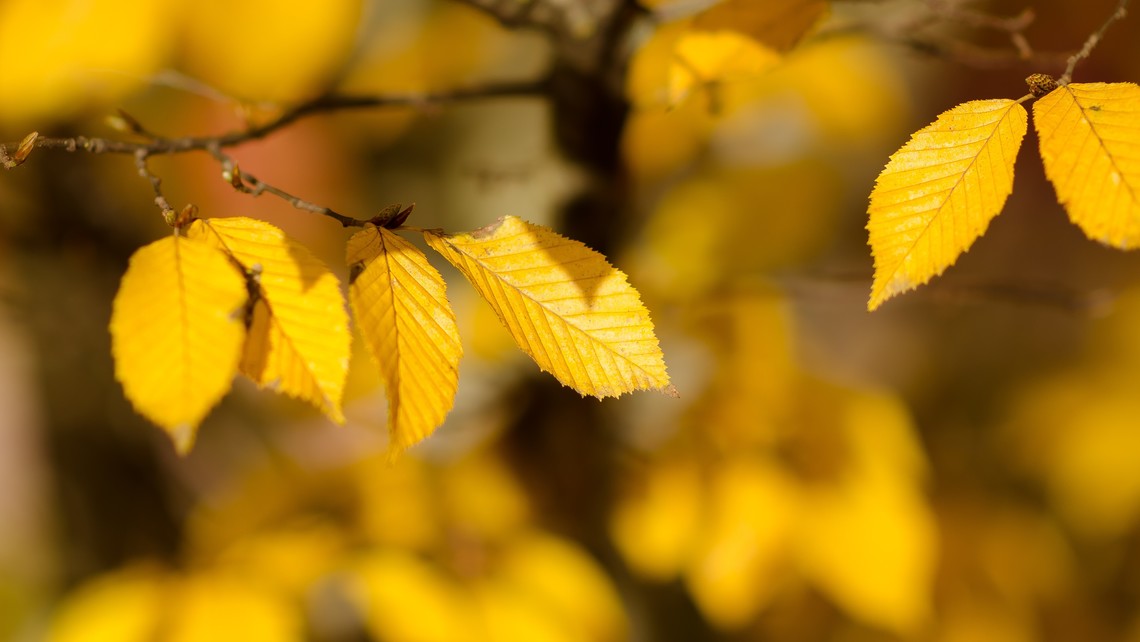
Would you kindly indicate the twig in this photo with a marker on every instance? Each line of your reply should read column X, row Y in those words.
column 250, row 184
column 323, row 105
column 1093, row 40
column 141, row 157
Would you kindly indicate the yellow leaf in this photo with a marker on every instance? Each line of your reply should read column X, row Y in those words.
column 565, row 306
column 704, row 60
column 940, row 191
column 176, row 333
column 400, row 304
column 1090, row 144
column 778, row 24
column 299, row 342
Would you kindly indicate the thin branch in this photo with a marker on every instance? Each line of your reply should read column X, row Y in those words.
column 326, row 104
column 157, row 146
column 1093, row 41
column 250, row 184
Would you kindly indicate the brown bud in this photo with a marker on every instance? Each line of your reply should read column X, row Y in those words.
column 186, row 216
column 1040, row 84
column 398, row 219
column 26, row 147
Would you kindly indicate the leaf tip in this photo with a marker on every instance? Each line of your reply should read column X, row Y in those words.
column 183, row 436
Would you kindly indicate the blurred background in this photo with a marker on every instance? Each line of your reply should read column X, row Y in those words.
column 962, row 465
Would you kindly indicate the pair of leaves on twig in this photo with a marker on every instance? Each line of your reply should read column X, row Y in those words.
column 940, row 191
column 231, row 295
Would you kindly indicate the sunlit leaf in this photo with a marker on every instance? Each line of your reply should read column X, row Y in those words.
column 940, row 191
column 778, row 24
column 176, row 332
column 575, row 314
column 299, row 342
column 400, row 304
column 1090, row 145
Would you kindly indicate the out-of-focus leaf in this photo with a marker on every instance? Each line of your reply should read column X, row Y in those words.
column 777, row 24
column 176, row 333
column 1090, row 145
column 940, row 191
column 656, row 520
column 744, row 550
column 262, row 50
column 881, row 568
column 401, row 308
column 144, row 604
column 553, row 578
column 58, row 57
column 480, row 496
column 571, row 311
column 405, row 599
column 123, row 606
column 299, row 342
column 704, row 60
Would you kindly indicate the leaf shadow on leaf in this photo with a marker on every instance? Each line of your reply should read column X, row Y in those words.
column 308, row 271
column 577, row 265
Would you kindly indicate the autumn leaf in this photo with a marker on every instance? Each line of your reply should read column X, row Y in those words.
column 705, row 60
column 400, row 304
column 299, row 340
column 564, row 305
column 940, row 191
column 777, row 24
column 176, row 333
column 1090, row 145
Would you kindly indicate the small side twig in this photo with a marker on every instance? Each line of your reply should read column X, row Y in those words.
column 141, row 157
column 1092, row 41
column 1014, row 26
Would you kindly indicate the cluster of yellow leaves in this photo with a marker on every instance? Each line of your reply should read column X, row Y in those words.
column 414, row 553
column 940, row 191
column 230, row 295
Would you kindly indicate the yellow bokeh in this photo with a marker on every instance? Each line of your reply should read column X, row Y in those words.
column 59, row 58
column 266, row 51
